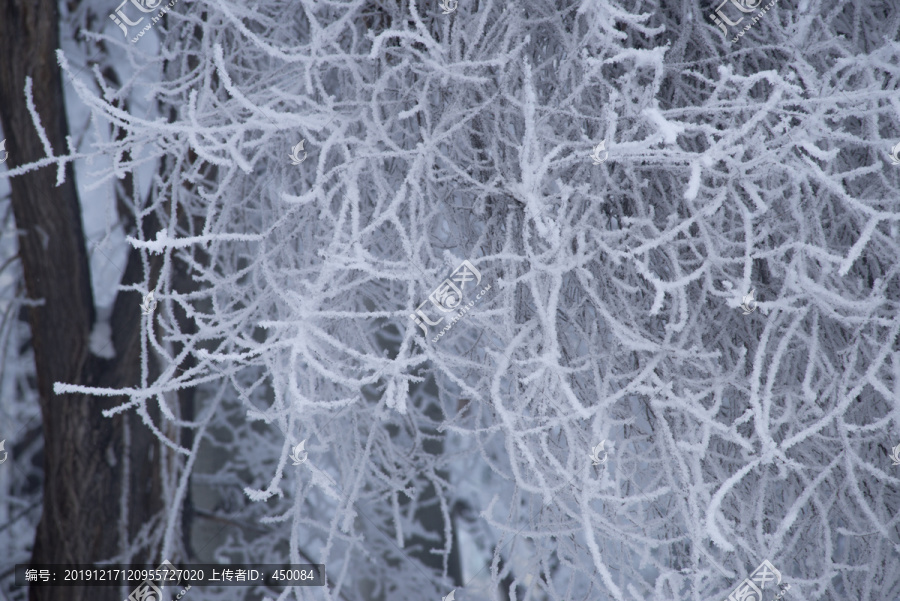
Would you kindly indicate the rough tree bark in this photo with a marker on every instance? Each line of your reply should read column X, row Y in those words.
column 83, row 451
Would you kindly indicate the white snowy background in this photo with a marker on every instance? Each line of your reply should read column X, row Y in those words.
column 613, row 312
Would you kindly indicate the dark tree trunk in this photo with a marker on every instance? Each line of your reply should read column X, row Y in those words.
column 83, row 451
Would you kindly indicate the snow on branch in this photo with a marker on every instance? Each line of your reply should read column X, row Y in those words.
column 603, row 300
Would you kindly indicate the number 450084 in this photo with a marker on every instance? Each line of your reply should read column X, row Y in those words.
column 294, row 575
